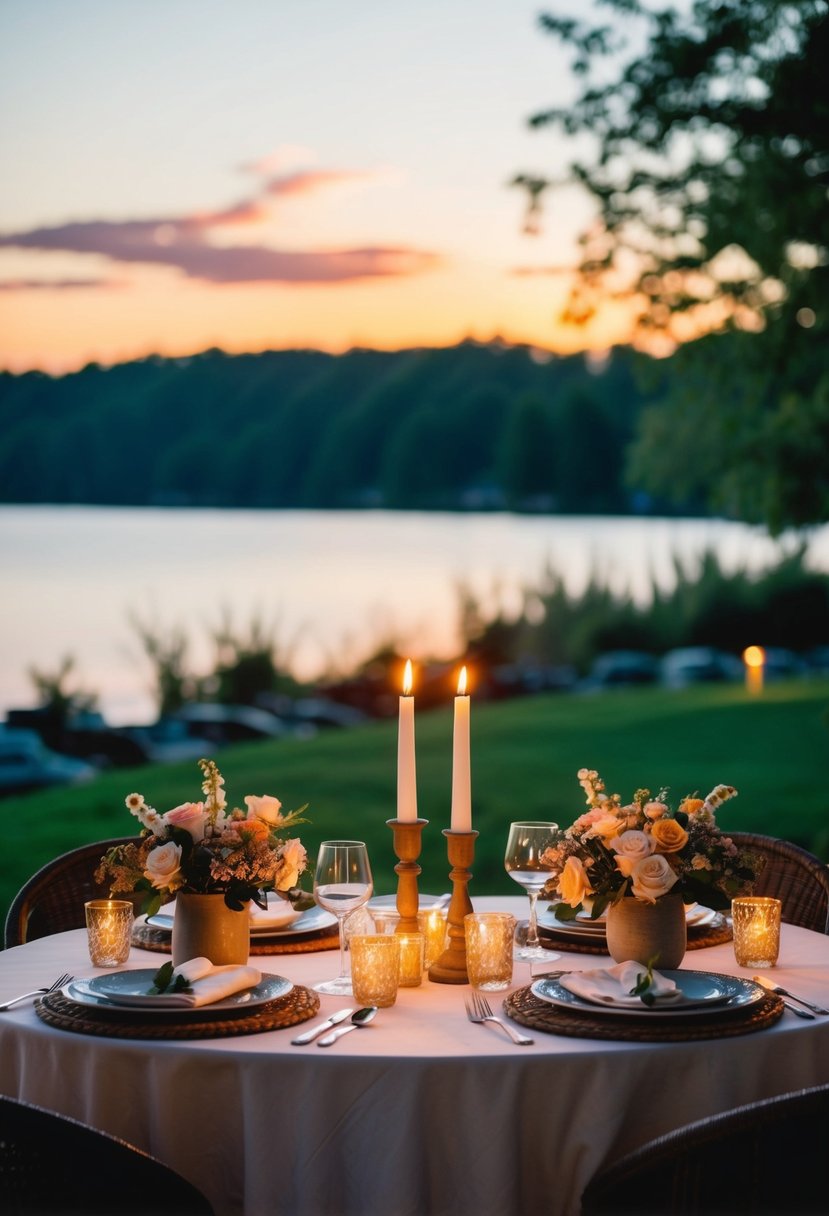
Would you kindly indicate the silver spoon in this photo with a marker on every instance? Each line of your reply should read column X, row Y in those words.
column 361, row 1018
column 321, row 1027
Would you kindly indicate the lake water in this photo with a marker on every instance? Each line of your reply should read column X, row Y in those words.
column 328, row 585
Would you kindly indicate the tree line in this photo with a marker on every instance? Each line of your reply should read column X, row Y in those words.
column 467, row 427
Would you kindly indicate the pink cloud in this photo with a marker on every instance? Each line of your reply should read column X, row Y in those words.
column 179, row 243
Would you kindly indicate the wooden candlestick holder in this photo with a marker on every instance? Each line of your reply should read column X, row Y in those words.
column 450, row 968
column 407, row 844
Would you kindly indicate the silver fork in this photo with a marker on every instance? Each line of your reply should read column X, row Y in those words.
column 24, row 996
column 478, row 1009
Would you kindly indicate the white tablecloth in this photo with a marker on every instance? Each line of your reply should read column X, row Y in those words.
column 422, row 1114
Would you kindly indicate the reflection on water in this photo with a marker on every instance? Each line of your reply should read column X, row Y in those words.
column 331, row 584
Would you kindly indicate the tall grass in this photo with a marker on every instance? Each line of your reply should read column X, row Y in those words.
column 525, row 755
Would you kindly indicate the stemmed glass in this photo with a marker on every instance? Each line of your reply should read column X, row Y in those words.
column 524, row 861
column 342, row 883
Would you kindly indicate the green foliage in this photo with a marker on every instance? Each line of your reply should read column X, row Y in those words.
column 443, row 428
column 525, row 755
column 701, row 137
column 785, row 605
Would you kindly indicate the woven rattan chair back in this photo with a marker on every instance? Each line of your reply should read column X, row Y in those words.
column 52, row 1165
column 52, row 900
column 795, row 877
column 764, row 1159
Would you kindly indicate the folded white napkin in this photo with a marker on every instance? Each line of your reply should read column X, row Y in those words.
column 612, row 986
column 209, row 984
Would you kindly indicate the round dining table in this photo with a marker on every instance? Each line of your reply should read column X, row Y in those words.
column 421, row 1113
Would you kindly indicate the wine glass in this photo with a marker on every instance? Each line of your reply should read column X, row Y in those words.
column 342, row 883
column 524, row 861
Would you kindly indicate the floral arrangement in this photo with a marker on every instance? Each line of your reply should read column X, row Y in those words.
column 203, row 848
column 646, row 850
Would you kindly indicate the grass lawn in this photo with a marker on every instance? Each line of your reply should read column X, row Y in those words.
column 525, row 755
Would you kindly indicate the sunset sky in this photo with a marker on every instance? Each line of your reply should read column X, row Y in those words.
column 179, row 174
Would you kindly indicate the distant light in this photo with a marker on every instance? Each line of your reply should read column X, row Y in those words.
column 806, row 317
column 754, row 656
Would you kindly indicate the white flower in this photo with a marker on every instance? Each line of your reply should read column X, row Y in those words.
column 265, row 807
column 652, row 877
column 292, row 863
column 629, row 848
column 163, row 866
column 146, row 816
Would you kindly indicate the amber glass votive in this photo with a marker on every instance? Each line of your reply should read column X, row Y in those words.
column 375, row 968
column 432, row 925
column 756, row 925
column 108, row 929
column 489, row 949
column 412, row 948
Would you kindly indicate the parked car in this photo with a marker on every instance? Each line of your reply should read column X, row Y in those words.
column 26, row 763
column 698, row 665
column 223, row 724
column 622, row 669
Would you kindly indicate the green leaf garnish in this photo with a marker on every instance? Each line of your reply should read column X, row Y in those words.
column 644, row 983
column 163, row 981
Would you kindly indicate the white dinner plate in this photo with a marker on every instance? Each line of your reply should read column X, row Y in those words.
column 702, row 993
column 696, row 917
column 106, row 990
column 309, row 921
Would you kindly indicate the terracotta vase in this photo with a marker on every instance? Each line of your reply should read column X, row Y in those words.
column 205, row 926
column 640, row 931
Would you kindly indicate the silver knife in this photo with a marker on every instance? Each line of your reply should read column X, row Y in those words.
column 772, row 987
column 310, row 1035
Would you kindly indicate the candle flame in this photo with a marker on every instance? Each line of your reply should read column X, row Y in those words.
column 754, row 656
column 407, row 679
column 462, row 683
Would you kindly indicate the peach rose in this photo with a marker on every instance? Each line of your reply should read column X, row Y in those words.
column 264, row 807
column 292, row 863
column 630, row 848
column 162, row 866
column 604, row 827
column 573, row 883
column 669, row 836
column 191, row 816
column 691, row 805
column 652, row 877
column 654, row 810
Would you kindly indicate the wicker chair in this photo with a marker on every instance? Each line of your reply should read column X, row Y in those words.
column 797, row 878
column 50, row 1164
column 764, row 1159
column 52, row 900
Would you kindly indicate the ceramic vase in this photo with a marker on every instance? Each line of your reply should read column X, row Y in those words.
column 204, row 926
column 643, row 932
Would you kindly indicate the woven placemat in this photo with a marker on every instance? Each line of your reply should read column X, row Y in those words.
column 296, row 1006
column 522, row 1006
column 698, row 939
column 159, row 940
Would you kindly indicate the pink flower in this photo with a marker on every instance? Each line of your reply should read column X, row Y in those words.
column 191, row 816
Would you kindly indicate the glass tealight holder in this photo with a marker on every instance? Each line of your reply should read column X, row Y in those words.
column 489, row 948
column 375, row 968
column 108, row 929
column 756, row 925
column 432, row 925
column 412, row 953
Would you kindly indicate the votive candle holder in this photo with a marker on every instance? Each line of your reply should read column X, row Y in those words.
column 432, row 925
column 375, row 968
column 108, row 929
column 756, row 926
column 412, row 950
column 489, row 949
